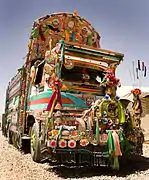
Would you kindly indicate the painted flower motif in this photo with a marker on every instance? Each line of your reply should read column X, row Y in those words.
column 62, row 143
column 84, row 142
column 110, row 79
column 53, row 143
column 72, row 144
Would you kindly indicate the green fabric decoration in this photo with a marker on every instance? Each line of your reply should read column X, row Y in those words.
column 111, row 150
column 14, row 99
column 58, row 74
column 89, row 40
column 62, row 50
column 97, row 130
column 60, row 131
column 122, row 113
column 46, row 30
column 58, row 66
column 125, row 146
column 110, row 143
column 35, row 32
column 29, row 91
column 49, row 123
column 116, row 163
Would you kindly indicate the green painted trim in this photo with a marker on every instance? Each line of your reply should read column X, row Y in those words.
column 47, row 94
column 78, row 102
column 44, row 106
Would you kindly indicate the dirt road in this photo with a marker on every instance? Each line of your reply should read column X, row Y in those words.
column 15, row 165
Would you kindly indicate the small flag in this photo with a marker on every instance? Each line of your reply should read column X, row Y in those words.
column 145, row 71
column 133, row 69
column 139, row 67
column 137, row 73
column 143, row 66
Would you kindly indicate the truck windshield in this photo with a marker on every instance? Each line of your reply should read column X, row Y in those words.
column 81, row 75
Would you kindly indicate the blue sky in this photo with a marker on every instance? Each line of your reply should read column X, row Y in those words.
column 122, row 24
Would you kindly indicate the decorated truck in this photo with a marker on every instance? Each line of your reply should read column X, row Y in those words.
column 63, row 99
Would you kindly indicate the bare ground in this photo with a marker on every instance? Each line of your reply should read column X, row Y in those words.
column 15, row 165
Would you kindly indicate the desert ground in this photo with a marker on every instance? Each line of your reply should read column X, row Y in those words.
column 16, row 165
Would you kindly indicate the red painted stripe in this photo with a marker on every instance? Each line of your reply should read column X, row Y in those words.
column 15, row 93
column 13, row 84
column 46, row 100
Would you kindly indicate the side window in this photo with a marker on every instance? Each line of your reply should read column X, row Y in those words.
column 39, row 73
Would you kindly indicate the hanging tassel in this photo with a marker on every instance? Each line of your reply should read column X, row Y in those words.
column 117, row 151
column 117, row 144
column 145, row 71
column 137, row 73
column 89, row 40
column 56, row 96
column 139, row 67
column 97, row 131
column 116, row 163
column 110, row 143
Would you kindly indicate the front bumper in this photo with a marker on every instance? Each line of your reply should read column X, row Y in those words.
column 89, row 155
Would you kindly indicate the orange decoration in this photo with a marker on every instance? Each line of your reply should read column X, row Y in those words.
column 75, row 12
column 136, row 91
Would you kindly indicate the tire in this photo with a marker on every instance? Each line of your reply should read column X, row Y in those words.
column 9, row 134
column 35, row 144
column 19, row 141
column 14, row 139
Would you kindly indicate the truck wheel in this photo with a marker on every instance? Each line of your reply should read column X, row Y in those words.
column 35, row 144
column 19, row 141
column 14, row 140
column 9, row 135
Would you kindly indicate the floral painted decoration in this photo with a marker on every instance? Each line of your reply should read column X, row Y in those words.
column 110, row 79
column 55, row 83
